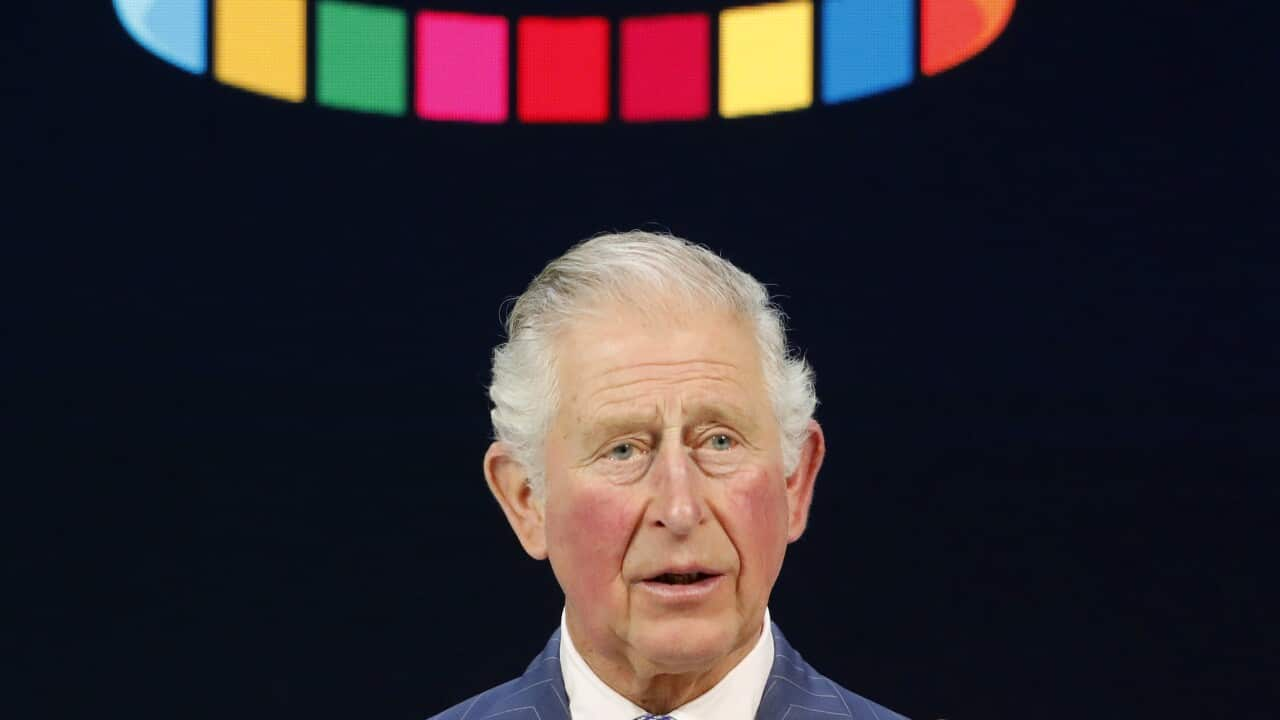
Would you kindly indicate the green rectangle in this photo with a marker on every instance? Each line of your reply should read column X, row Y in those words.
column 360, row 57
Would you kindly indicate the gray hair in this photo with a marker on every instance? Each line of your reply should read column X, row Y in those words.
column 614, row 267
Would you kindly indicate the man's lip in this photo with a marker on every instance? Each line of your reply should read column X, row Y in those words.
column 685, row 570
column 681, row 595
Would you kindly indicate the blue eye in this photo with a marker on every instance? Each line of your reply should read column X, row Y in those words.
column 623, row 451
column 720, row 442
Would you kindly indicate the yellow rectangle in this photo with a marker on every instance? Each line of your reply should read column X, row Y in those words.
column 766, row 58
column 261, row 45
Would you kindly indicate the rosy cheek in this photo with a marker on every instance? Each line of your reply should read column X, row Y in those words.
column 588, row 542
column 760, row 517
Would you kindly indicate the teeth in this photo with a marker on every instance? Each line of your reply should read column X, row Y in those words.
column 679, row 578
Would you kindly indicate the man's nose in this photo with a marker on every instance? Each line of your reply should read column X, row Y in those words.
column 678, row 503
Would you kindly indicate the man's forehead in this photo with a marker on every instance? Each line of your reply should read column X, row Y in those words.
column 675, row 367
column 699, row 381
column 591, row 362
column 622, row 351
column 667, row 392
column 647, row 325
column 651, row 394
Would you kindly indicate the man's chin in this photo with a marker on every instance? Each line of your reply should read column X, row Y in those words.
column 681, row 645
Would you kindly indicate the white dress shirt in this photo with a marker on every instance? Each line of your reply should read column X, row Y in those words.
column 735, row 697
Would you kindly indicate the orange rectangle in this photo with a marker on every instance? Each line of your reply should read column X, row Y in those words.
column 261, row 46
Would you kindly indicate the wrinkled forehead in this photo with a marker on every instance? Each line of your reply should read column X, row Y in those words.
column 643, row 350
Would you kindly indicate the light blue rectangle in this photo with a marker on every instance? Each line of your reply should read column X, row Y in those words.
column 174, row 30
column 868, row 46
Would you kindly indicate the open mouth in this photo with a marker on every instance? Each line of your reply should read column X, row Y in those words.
column 680, row 578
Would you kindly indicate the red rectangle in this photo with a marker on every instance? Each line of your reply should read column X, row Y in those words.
column 562, row 71
column 666, row 67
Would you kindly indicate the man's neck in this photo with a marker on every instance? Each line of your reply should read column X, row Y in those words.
column 658, row 692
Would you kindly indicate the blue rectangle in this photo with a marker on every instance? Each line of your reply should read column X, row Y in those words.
column 868, row 46
column 174, row 30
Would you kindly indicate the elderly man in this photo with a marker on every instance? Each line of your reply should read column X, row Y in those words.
column 655, row 442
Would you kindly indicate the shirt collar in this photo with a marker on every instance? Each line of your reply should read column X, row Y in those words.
column 736, row 696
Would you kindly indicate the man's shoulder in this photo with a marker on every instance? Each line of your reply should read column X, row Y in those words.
column 539, row 690
column 479, row 706
column 796, row 690
column 859, row 706
column 821, row 694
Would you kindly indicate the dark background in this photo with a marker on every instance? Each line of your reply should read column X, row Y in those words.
column 246, row 345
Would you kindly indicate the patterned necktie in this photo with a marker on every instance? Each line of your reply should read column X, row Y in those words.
column 655, row 717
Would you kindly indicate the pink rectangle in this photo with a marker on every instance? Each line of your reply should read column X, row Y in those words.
column 462, row 67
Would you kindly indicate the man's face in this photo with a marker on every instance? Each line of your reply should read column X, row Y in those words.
column 664, row 457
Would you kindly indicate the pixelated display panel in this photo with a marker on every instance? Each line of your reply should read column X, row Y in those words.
column 868, row 46
column 563, row 69
column 462, row 67
column 174, row 30
column 360, row 57
column 665, row 69
column 953, row 31
column 261, row 45
column 766, row 58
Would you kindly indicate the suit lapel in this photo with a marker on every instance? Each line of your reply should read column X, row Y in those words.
column 795, row 691
column 538, row 694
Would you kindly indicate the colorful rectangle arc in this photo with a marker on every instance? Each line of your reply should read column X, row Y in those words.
column 456, row 66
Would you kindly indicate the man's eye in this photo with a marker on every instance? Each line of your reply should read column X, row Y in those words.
column 622, row 451
column 720, row 442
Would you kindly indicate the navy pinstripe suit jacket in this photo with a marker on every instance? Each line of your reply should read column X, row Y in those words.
column 795, row 691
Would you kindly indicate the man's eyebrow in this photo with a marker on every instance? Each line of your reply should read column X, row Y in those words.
column 599, row 430
column 696, row 414
column 727, row 412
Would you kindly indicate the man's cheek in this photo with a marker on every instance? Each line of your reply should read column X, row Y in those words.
column 760, row 499
column 759, row 515
column 594, row 532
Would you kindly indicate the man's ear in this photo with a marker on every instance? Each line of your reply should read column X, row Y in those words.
column 800, row 481
column 509, row 482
